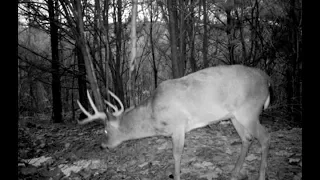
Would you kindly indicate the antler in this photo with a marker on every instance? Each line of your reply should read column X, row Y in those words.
column 95, row 116
column 116, row 111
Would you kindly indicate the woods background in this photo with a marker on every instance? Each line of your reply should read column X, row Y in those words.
column 61, row 42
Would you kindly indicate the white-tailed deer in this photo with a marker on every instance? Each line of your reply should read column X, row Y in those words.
column 179, row 105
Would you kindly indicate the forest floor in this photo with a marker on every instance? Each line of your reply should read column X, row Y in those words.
column 49, row 151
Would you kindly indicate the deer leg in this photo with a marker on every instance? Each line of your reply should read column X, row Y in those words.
column 246, row 139
column 178, row 143
column 264, row 139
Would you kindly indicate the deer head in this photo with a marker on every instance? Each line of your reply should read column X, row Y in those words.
column 112, row 124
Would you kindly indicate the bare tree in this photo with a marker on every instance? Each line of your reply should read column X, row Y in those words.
column 56, row 86
column 230, row 30
column 82, row 80
column 132, row 63
column 182, row 37
column 172, row 8
column 154, row 65
column 205, row 35
column 191, row 36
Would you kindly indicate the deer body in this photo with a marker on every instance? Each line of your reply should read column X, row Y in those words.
column 180, row 105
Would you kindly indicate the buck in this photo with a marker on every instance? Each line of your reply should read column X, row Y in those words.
column 236, row 92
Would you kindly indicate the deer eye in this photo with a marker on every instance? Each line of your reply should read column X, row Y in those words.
column 105, row 131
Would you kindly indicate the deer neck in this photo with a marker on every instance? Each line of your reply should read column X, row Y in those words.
column 137, row 123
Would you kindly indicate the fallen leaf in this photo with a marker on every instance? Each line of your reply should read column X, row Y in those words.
column 66, row 145
column 163, row 146
column 293, row 161
column 28, row 170
column 95, row 164
column 283, row 153
column 228, row 151
column 21, row 165
column 155, row 163
column 143, row 164
column 251, row 157
column 211, row 175
column 37, row 161
column 145, row 178
column 43, row 144
column 205, row 163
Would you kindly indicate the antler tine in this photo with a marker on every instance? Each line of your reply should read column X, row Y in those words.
column 117, row 112
column 91, row 102
column 90, row 117
column 111, row 105
column 119, row 101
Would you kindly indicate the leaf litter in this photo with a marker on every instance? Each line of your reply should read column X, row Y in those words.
column 70, row 151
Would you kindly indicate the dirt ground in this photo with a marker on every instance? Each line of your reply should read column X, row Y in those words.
column 69, row 151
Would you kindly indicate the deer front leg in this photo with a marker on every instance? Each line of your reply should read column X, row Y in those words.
column 178, row 143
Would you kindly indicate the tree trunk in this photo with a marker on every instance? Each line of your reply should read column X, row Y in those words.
column 242, row 36
column 72, row 94
column 31, row 99
column 105, row 29
column 132, row 64
column 182, row 44
column 190, row 28
column 230, row 29
column 56, row 86
column 96, row 40
column 205, row 36
column 117, row 80
column 154, row 66
column 173, row 39
column 293, row 80
column 41, row 97
column 82, row 83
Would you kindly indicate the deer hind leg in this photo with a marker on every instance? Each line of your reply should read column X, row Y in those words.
column 264, row 139
column 248, row 127
column 246, row 139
